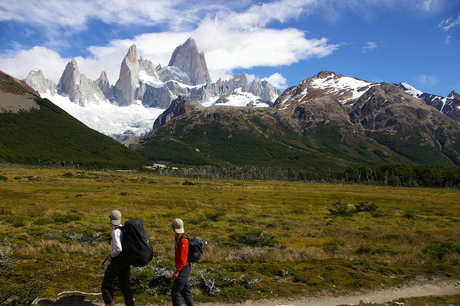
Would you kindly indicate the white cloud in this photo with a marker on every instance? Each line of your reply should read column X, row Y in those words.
column 369, row 46
column 231, row 40
column 277, row 80
column 20, row 63
column 76, row 13
column 427, row 81
column 232, row 34
column 450, row 23
column 431, row 5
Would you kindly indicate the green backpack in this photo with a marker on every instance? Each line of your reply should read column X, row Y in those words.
column 195, row 248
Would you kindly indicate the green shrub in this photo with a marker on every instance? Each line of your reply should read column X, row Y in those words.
column 442, row 248
column 339, row 209
column 381, row 249
column 366, row 206
column 65, row 218
column 261, row 239
column 5, row 210
column 410, row 215
column 43, row 221
column 331, row 248
column 3, row 178
column 16, row 221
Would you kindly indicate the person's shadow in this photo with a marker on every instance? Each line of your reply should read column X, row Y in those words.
column 70, row 300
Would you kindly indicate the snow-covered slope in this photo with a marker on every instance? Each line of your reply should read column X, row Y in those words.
column 344, row 89
column 118, row 122
column 410, row 90
column 237, row 98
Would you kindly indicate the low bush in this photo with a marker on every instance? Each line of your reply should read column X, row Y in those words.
column 258, row 239
column 340, row 209
column 372, row 250
column 441, row 249
column 366, row 206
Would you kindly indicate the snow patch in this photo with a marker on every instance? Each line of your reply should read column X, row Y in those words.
column 333, row 85
column 152, row 81
column 240, row 98
column 411, row 90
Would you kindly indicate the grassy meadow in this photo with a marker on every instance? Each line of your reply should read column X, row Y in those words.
column 265, row 238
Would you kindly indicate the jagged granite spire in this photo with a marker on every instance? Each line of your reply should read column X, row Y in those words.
column 77, row 86
column 68, row 81
column 187, row 58
column 125, row 89
column 37, row 80
column 103, row 83
column 265, row 90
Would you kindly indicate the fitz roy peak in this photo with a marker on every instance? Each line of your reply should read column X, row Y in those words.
column 187, row 58
column 141, row 84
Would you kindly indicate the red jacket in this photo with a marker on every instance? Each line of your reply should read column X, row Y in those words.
column 181, row 254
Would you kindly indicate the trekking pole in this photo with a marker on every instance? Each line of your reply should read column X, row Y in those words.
column 103, row 263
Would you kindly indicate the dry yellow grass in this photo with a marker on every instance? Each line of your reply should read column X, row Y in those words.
column 61, row 215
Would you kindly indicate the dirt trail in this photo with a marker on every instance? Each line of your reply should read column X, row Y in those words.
column 376, row 296
column 413, row 289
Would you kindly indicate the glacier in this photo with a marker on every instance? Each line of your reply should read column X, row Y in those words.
column 107, row 118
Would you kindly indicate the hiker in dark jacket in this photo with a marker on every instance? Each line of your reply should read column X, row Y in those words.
column 117, row 266
column 183, row 267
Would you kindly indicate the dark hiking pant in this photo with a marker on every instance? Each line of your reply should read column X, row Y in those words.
column 181, row 287
column 117, row 267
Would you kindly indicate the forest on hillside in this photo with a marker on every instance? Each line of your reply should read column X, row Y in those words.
column 397, row 175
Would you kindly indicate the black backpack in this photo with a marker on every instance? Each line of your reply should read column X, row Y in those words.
column 137, row 250
column 195, row 248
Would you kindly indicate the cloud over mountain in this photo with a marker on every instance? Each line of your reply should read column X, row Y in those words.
column 233, row 35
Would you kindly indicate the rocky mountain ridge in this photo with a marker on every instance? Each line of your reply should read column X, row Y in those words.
column 329, row 118
column 449, row 105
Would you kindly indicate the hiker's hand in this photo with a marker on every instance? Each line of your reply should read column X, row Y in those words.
column 175, row 275
column 109, row 258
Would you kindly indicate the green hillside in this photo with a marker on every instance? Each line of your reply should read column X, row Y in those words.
column 50, row 136
column 258, row 137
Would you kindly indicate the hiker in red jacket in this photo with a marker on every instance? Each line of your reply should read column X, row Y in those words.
column 183, row 267
column 117, row 267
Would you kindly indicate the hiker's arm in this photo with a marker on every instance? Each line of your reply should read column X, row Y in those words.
column 181, row 258
column 116, row 243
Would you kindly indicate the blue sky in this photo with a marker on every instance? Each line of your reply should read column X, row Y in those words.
column 285, row 41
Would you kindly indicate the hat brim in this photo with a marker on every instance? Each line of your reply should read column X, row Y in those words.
column 179, row 230
column 115, row 222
